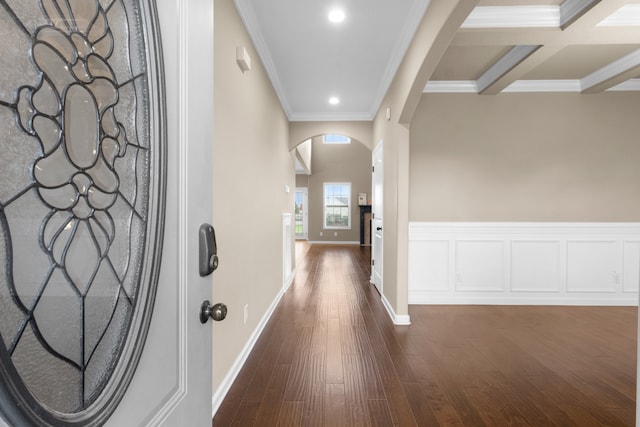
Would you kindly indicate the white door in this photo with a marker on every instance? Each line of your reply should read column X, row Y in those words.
column 377, row 216
column 172, row 385
column 301, row 213
column 173, row 382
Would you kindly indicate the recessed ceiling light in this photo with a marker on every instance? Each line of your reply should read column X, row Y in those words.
column 334, row 100
column 336, row 16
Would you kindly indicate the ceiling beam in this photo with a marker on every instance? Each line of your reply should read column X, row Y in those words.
column 537, row 56
column 572, row 10
column 612, row 74
column 595, row 14
column 505, row 64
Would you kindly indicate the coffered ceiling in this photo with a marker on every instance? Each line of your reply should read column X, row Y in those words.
column 584, row 46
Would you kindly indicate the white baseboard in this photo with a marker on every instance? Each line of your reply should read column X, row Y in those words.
column 326, row 242
column 222, row 390
column 397, row 319
column 524, row 263
column 289, row 280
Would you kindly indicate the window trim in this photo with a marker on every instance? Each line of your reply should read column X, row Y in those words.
column 324, row 207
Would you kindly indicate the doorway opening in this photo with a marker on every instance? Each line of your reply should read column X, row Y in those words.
column 301, row 214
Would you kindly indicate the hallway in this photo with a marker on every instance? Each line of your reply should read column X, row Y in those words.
column 330, row 356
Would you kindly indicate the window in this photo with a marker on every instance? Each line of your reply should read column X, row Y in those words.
column 337, row 205
column 332, row 138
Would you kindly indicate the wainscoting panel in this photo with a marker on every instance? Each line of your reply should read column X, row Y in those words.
column 592, row 266
column 479, row 265
column 631, row 268
column 536, row 266
column 524, row 263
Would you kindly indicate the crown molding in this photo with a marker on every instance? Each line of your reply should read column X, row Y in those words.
column 513, row 17
column 331, row 117
column 404, row 40
column 523, row 86
column 544, row 86
column 451, row 86
column 632, row 85
column 248, row 17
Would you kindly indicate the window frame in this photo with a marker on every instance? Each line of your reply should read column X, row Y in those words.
column 334, row 139
column 325, row 206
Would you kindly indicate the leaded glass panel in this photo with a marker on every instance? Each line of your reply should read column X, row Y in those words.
column 81, row 203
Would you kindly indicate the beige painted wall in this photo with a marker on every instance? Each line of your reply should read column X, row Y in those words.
column 252, row 164
column 337, row 163
column 526, row 157
column 300, row 131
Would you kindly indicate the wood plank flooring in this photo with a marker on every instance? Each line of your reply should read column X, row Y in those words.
column 330, row 356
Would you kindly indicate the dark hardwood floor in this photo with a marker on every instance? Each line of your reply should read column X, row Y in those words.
column 330, row 356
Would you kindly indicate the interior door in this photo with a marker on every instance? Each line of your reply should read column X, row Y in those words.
column 377, row 216
column 171, row 383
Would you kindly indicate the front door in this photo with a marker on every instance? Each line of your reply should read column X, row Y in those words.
column 377, row 214
column 78, row 174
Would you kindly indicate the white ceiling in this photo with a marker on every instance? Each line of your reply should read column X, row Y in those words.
column 504, row 45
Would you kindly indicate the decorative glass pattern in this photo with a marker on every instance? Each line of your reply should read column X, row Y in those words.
column 81, row 203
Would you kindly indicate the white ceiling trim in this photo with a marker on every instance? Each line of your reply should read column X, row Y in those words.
column 252, row 25
column 415, row 16
column 520, row 86
column 330, row 117
column 451, row 86
column 627, row 16
column 611, row 70
column 544, row 86
column 629, row 85
column 513, row 17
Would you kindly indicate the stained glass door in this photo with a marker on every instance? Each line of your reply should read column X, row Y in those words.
column 93, row 157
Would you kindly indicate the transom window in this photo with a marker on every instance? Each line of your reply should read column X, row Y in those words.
column 332, row 138
column 337, row 205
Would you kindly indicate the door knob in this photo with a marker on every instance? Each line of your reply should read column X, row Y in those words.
column 216, row 312
column 378, row 228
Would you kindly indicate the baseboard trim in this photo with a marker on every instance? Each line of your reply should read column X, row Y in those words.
column 289, row 279
column 428, row 298
column 327, row 242
column 224, row 387
column 397, row 319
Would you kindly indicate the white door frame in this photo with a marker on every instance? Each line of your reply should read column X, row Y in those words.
column 377, row 206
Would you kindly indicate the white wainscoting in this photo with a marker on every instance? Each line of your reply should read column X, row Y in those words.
column 287, row 250
column 524, row 263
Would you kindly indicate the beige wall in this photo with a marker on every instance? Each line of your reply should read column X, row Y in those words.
column 300, row 131
column 252, row 165
column 526, row 157
column 337, row 163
